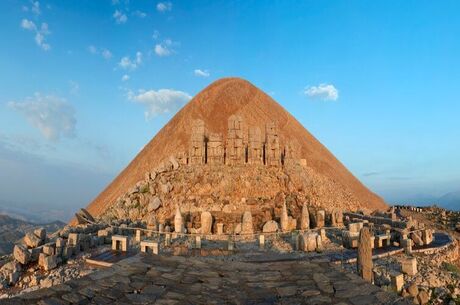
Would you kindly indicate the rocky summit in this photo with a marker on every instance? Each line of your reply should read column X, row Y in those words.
column 237, row 149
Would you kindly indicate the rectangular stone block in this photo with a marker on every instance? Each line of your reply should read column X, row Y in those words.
column 198, row 242
column 120, row 243
column 149, row 245
column 220, row 228
column 261, row 241
column 73, row 239
column 47, row 262
column 397, row 281
column 138, row 236
column 409, row 266
column 49, row 249
column 407, row 245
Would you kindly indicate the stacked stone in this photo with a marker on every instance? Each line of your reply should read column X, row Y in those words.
column 215, row 149
column 255, row 146
column 272, row 145
column 364, row 263
column 197, row 145
column 235, row 149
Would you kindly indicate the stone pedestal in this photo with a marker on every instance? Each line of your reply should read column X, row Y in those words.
column 397, row 281
column 120, row 243
column 149, row 245
column 407, row 245
column 409, row 266
column 364, row 262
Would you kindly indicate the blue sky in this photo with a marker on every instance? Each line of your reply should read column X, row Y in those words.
column 85, row 84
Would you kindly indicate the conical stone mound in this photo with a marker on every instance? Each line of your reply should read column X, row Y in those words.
column 214, row 105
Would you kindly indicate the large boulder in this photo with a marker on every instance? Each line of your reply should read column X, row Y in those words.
column 270, row 226
column 21, row 254
column 41, row 233
column 47, row 262
column 308, row 242
column 32, row 240
column 154, row 204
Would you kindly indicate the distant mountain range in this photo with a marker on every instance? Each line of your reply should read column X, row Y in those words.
column 12, row 230
column 449, row 201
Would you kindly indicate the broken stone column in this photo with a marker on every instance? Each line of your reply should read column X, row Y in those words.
column 337, row 218
column 407, row 245
column 319, row 243
column 206, row 223
column 197, row 144
column 178, row 221
column 255, row 146
column 235, row 149
column 305, row 218
column 215, row 149
column 284, row 219
column 320, row 217
column 246, row 224
column 364, row 262
column 272, row 145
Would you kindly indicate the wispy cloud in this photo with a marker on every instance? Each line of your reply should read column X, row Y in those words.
column 325, row 92
column 52, row 115
column 160, row 102
column 125, row 78
column 120, row 17
column 370, row 174
column 139, row 14
column 201, row 73
column 105, row 53
column 164, row 6
column 165, row 48
column 34, row 8
column 40, row 32
column 127, row 63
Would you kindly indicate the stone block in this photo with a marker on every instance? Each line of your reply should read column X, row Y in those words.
column 34, row 253
column 49, row 249
column 47, row 262
column 308, row 242
column 120, row 243
column 32, row 240
column 138, row 236
column 21, row 254
column 407, row 245
column 261, row 241
column 220, row 228
column 197, row 242
column 397, row 281
column 149, row 246
column 270, row 226
column 73, row 239
column 409, row 266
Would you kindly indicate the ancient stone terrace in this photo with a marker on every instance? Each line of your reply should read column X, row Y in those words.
column 242, row 146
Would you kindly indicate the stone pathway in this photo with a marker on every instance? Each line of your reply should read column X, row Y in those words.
column 148, row 279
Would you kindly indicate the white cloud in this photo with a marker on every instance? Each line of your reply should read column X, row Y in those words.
column 165, row 48
column 124, row 78
column 156, row 34
column 40, row 33
column 161, row 101
column 164, row 6
column 128, row 64
column 325, row 92
column 201, row 73
column 120, row 17
column 140, row 14
column 103, row 52
column 35, row 8
column 52, row 115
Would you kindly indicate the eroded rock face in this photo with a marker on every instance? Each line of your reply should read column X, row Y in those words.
column 364, row 263
column 154, row 204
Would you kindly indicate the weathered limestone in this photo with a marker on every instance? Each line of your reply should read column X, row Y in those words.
column 206, row 223
column 337, row 218
column 197, row 144
column 320, row 217
column 382, row 240
column 270, row 226
column 407, row 245
column 427, row 236
column 305, row 218
column 73, row 239
column 167, row 239
column 215, row 149
column 355, row 227
column 220, row 228
column 261, row 241
column 84, row 217
column 32, row 240
column 21, row 254
column 11, row 272
column 120, row 243
column 149, row 246
column 198, row 242
column 49, row 249
column 154, row 204
column 272, row 145
column 246, row 224
column 41, row 233
column 409, row 266
column 284, row 219
column 47, row 262
column 397, row 281
column 319, row 243
column 364, row 262
column 255, row 146
column 178, row 221
column 235, row 150
column 308, row 242
column 138, row 236
column 350, row 239
column 415, row 236
column 230, row 245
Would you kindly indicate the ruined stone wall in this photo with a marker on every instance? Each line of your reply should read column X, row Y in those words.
column 242, row 145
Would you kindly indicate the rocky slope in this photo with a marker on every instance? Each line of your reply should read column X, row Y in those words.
column 214, row 105
column 11, row 230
